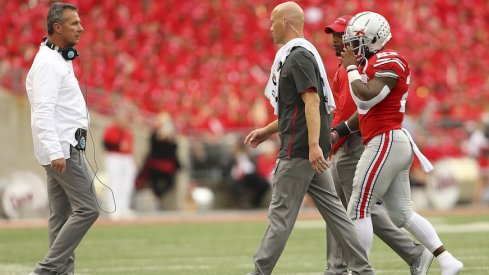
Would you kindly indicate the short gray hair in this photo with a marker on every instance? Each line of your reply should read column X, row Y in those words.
column 55, row 14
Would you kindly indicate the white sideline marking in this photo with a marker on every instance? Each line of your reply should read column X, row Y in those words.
column 461, row 228
column 18, row 269
column 154, row 268
column 440, row 228
column 15, row 269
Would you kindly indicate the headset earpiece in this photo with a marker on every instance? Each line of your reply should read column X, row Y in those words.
column 67, row 53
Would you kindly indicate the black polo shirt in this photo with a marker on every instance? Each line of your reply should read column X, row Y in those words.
column 300, row 72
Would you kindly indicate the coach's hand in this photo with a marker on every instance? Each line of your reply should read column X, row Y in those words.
column 316, row 157
column 58, row 165
column 256, row 137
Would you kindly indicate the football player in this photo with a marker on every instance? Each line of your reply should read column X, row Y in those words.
column 345, row 155
column 379, row 80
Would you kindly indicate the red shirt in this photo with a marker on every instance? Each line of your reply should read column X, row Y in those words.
column 118, row 139
column 345, row 106
column 388, row 114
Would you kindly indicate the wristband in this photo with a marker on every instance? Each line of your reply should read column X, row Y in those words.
column 351, row 68
column 353, row 75
column 342, row 129
column 349, row 129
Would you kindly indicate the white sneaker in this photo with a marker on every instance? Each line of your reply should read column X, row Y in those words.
column 422, row 264
column 453, row 269
column 449, row 265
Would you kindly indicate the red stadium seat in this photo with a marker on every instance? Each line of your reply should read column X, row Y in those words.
column 187, row 56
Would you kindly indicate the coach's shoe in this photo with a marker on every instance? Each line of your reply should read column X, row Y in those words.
column 252, row 273
column 332, row 272
column 422, row 264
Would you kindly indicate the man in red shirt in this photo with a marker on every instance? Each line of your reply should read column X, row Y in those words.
column 379, row 80
column 345, row 155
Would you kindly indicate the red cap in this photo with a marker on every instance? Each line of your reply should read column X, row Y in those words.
column 339, row 24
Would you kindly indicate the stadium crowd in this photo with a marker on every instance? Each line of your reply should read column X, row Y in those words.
column 207, row 62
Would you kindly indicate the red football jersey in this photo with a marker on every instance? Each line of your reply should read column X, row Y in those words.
column 388, row 114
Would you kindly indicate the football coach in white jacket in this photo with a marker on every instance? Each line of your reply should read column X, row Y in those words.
column 59, row 121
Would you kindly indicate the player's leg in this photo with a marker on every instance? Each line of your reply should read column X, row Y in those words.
column 290, row 183
column 417, row 225
column 414, row 254
column 397, row 239
column 373, row 175
column 343, row 167
column 398, row 203
column 329, row 205
column 411, row 252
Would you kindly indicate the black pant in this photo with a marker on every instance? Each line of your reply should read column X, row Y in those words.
column 251, row 189
column 160, row 182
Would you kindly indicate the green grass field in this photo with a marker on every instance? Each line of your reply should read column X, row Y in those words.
column 222, row 248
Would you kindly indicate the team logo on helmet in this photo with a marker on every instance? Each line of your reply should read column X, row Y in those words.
column 360, row 33
column 367, row 33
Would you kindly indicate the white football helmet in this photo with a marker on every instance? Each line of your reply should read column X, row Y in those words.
column 366, row 33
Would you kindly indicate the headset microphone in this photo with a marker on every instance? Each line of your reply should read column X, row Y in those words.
column 67, row 53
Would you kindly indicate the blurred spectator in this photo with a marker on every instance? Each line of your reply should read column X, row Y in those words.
column 266, row 159
column 119, row 164
column 202, row 62
column 248, row 185
column 136, row 53
column 162, row 163
column 477, row 146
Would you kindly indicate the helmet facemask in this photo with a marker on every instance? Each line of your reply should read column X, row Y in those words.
column 358, row 44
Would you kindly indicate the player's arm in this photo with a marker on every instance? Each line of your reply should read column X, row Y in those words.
column 378, row 86
column 345, row 128
column 367, row 95
column 353, row 123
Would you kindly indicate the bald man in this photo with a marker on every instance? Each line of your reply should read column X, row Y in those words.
column 303, row 102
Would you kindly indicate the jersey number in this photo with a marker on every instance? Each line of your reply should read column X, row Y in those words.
column 385, row 54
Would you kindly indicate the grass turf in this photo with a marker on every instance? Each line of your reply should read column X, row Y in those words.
column 227, row 248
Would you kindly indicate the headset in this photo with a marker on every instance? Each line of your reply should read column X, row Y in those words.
column 67, row 53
